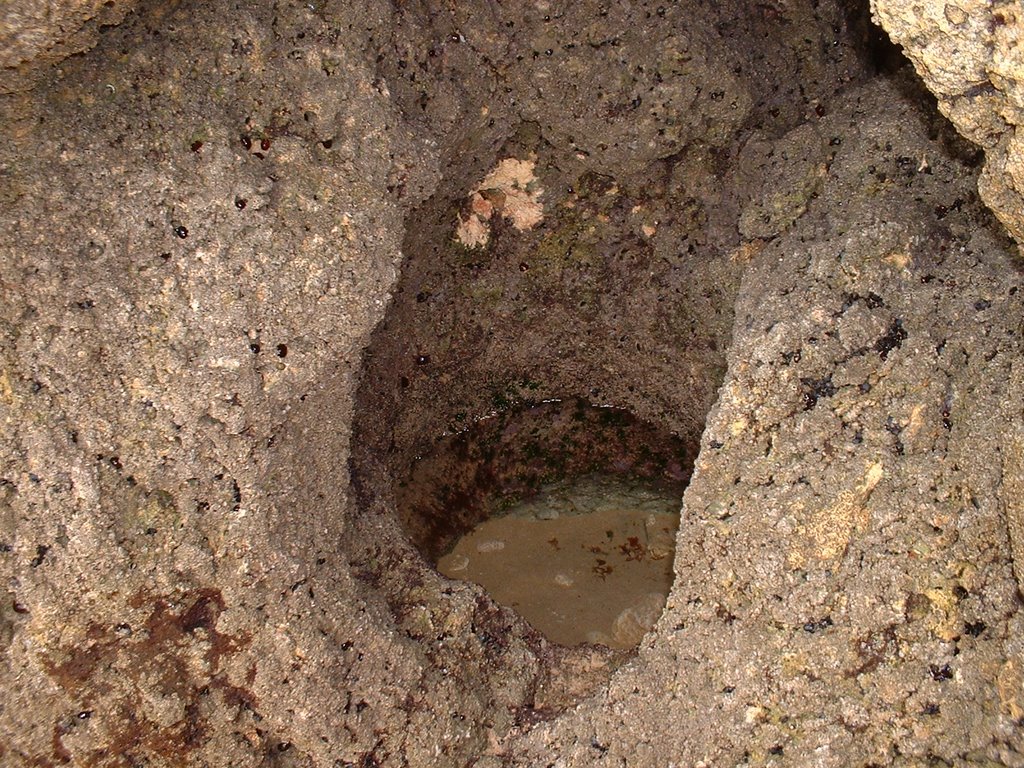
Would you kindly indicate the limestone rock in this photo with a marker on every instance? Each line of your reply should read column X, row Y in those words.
column 193, row 261
column 969, row 54
column 35, row 34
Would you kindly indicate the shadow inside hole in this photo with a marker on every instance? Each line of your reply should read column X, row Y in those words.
column 563, row 511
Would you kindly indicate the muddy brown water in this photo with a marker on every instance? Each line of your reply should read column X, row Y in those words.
column 564, row 511
column 583, row 561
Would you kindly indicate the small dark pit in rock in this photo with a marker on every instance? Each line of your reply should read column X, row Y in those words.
column 41, row 551
column 815, row 389
column 975, row 628
column 941, row 673
column 893, row 339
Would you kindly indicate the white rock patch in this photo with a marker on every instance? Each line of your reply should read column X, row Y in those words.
column 510, row 189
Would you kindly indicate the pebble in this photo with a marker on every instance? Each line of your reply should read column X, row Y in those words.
column 458, row 563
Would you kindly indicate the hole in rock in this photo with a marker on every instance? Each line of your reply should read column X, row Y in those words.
column 531, row 365
column 565, row 512
column 581, row 245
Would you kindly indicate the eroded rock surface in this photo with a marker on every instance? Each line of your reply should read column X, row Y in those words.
column 36, row 35
column 843, row 559
column 204, row 219
column 969, row 55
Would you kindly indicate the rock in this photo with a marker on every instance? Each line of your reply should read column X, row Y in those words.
column 634, row 622
column 968, row 54
column 195, row 258
column 34, row 36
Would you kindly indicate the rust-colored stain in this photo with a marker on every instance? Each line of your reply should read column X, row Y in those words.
column 60, row 752
column 633, row 549
column 156, row 660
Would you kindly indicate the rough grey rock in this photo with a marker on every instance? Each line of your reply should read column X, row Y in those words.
column 968, row 54
column 210, row 216
column 846, row 586
column 35, row 35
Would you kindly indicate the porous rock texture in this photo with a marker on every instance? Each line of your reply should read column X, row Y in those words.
column 205, row 217
column 35, row 34
column 969, row 55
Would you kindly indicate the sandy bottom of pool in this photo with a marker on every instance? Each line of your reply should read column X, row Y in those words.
column 585, row 562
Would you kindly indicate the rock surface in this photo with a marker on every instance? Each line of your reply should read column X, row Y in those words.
column 829, row 567
column 36, row 35
column 204, row 220
column 968, row 52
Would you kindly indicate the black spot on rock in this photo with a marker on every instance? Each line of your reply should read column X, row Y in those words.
column 975, row 628
column 815, row 389
column 41, row 551
column 893, row 339
column 941, row 673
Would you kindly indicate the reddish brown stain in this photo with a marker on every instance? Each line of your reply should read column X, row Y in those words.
column 60, row 752
column 633, row 549
column 153, row 659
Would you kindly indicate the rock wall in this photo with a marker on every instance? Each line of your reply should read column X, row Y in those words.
column 34, row 35
column 843, row 567
column 205, row 217
column 968, row 54
column 193, row 239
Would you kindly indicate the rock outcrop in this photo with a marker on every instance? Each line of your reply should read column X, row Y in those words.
column 229, row 244
column 968, row 52
column 36, row 35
